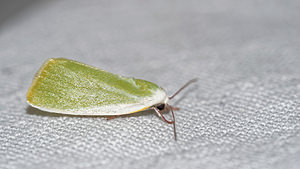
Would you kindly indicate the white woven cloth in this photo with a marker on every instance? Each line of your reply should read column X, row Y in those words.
column 244, row 112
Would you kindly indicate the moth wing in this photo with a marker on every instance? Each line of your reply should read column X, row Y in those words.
column 70, row 87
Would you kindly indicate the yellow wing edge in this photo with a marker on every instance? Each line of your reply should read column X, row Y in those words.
column 145, row 108
column 36, row 76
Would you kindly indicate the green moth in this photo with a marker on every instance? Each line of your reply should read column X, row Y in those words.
column 69, row 87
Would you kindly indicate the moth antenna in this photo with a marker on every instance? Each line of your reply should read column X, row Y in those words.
column 167, row 121
column 184, row 86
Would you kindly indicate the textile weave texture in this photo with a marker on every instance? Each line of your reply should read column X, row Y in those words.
column 242, row 113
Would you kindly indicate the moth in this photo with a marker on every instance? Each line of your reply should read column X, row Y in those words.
column 70, row 87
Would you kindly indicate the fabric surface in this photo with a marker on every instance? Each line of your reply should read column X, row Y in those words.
column 242, row 113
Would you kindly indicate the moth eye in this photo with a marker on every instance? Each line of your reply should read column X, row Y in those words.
column 161, row 107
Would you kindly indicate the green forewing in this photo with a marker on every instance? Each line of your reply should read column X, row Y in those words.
column 65, row 84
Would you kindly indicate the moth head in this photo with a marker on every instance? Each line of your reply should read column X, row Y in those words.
column 161, row 106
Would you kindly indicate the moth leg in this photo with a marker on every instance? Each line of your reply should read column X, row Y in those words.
column 161, row 116
column 166, row 109
column 175, row 108
column 111, row 117
column 167, row 121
